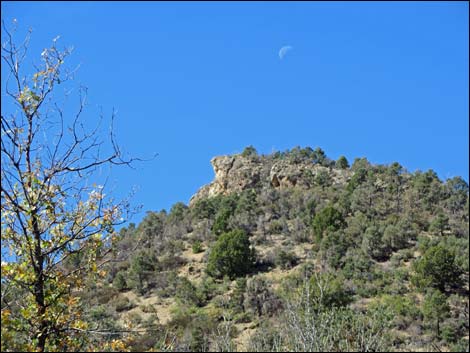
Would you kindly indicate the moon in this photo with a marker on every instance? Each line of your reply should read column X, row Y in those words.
column 283, row 51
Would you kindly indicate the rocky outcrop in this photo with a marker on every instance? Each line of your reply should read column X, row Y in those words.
column 237, row 173
column 284, row 174
column 232, row 174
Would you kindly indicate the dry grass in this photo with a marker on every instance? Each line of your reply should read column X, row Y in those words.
column 161, row 305
column 246, row 330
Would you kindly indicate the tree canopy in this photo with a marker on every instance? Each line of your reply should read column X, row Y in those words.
column 57, row 223
column 437, row 269
column 231, row 255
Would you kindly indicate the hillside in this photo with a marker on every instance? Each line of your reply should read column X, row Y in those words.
column 294, row 252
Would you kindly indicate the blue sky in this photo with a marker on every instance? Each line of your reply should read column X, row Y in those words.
column 385, row 80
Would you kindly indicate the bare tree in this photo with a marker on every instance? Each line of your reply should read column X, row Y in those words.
column 221, row 337
column 57, row 226
column 310, row 326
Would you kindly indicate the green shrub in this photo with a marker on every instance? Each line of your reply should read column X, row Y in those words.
column 393, row 238
column 342, row 163
column 123, row 304
column 134, row 318
column 436, row 269
column 449, row 333
column 142, row 270
column 327, row 219
column 231, row 255
column 181, row 315
column 373, row 243
column 238, row 295
column 197, row 247
column 259, row 297
column 333, row 248
column 439, row 224
column 221, row 221
column 204, row 209
column 208, row 288
column 249, row 151
column 275, row 227
column 285, row 259
column 357, row 265
column 323, row 179
column 435, row 308
column 400, row 306
column 461, row 346
column 186, row 292
column 328, row 290
column 177, row 213
column 120, row 282
column 105, row 294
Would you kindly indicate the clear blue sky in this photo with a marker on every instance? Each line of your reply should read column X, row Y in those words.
column 386, row 80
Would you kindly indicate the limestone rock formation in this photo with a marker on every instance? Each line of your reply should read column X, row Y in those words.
column 237, row 173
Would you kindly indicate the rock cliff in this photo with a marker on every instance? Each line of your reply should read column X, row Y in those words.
column 237, row 173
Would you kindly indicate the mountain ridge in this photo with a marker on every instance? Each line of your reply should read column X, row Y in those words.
column 238, row 172
column 374, row 253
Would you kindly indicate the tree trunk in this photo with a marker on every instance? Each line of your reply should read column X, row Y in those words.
column 41, row 334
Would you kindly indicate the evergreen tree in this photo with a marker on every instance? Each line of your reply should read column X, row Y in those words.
column 342, row 163
column 436, row 269
column 231, row 255
column 435, row 308
column 327, row 219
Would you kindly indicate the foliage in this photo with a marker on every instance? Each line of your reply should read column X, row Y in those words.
column 142, row 269
column 123, row 304
column 326, row 291
column 197, row 247
column 309, row 326
column 231, row 255
column 439, row 224
column 319, row 157
column 404, row 309
column 285, row 259
column 383, row 217
column 249, row 151
column 186, row 292
column 323, row 178
column 221, row 224
column 259, row 298
column 266, row 339
column 57, row 225
column 120, row 282
column 394, row 238
column 177, row 212
column 427, row 188
column 238, row 295
column 328, row 219
column 333, row 248
column 69, row 281
column 204, row 209
column 151, row 227
column 435, row 307
column 342, row 163
column 456, row 191
column 373, row 243
column 436, row 269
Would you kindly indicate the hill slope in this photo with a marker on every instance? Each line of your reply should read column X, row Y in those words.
column 369, row 257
